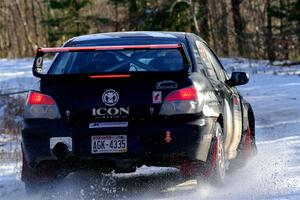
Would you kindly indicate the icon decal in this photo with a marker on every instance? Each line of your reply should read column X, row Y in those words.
column 110, row 97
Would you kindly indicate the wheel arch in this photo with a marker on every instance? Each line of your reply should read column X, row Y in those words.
column 251, row 121
column 248, row 118
column 220, row 120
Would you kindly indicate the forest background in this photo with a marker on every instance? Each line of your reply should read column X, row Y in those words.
column 257, row 29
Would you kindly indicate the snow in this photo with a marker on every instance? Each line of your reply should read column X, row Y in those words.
column 274, row 93
column 260, row 66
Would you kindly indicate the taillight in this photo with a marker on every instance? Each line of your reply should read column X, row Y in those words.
column 40, row 106
column 189, row 93
column 183, row 101
column 36, row 98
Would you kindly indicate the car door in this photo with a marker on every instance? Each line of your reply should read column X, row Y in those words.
column 231, row 102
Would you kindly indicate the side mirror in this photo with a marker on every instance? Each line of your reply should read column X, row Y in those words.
column 238, row 78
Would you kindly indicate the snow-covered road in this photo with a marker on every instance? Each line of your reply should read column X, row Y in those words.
column 273, row 174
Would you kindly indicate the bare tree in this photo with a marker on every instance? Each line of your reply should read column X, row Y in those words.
column 238, row 25
column 203, row 19
column 254, row 28
column 269, row 33
column 25, row 26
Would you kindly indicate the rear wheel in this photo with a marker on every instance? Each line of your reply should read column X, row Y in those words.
column 247, row 149
column 248, row 145
column 35, row 178
column 215, row 170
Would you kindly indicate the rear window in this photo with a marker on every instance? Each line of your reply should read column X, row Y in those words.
column 142, row 60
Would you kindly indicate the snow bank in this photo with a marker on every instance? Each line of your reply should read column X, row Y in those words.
column 259, row 66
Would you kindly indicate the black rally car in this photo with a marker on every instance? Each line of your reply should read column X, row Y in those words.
column 117, row 101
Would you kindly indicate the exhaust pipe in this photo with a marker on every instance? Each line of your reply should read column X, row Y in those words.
column 61, row 151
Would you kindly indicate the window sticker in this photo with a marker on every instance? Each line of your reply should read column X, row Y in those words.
column 156, row 97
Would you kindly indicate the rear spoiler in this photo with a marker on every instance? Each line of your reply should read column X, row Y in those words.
column 37, row 69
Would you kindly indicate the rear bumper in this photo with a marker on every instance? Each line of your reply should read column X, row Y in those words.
column 190, row 141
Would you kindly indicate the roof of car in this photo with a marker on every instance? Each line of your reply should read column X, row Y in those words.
column 131, row 34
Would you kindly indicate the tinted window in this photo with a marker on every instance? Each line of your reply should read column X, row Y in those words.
column 199, row 62
column 117, row 61
column 218, row 68
column 204, row 54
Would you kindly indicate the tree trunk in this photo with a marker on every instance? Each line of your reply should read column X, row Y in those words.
column 238, row 26
column 133, row 9
column 116, row 16
column 34, row 18
column 269, row 33
column 18, row 39
column 224, row 28
column 283, row 33
column 203, row 20
column 25, row 26
column 298, row 24
column 195, row 27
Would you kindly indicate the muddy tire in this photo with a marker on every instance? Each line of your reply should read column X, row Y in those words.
column 214, row 169
column 35, row 178
column 247, row 149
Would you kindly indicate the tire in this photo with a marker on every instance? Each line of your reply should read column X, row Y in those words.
column 35, row 178
column 249, row 146
column 247, row 149
column 214, row 169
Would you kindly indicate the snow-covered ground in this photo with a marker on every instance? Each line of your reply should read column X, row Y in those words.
column 273, row 174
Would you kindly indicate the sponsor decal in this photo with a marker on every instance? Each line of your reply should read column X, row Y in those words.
column 201, row 49
column 110, row 97
column 166, row 85
column 168, row 136
column 210, row 96
column 235, row 100
column 39, row 64
column 110, row 113
column 156, row 97
column 236, row 103
column 108, row 124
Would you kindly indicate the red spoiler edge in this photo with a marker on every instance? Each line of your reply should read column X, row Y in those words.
column 102, row 48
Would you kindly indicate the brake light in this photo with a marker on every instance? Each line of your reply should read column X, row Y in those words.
column 183, row 101
column 189, row 93
column 41, row 106
column 36, row 98
column 111, row 76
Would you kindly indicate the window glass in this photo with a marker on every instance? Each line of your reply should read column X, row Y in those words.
column 218, row 68
column 206, row 59
column 199, row 62
column 118, row 61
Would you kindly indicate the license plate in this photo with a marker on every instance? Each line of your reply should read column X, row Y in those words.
column 109, row 144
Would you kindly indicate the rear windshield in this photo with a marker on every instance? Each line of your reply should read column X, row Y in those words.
column 163, row 60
